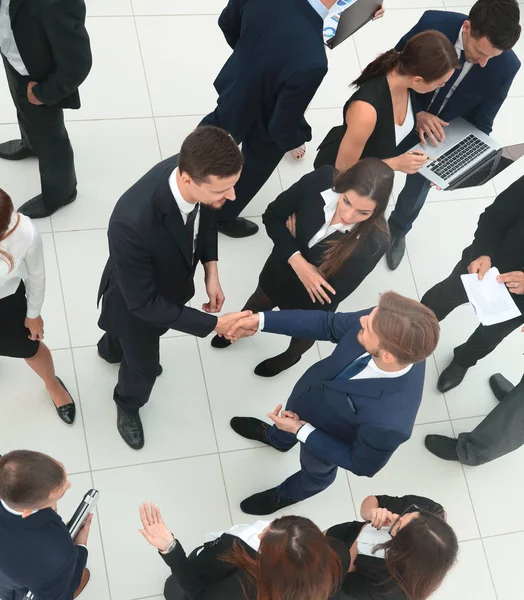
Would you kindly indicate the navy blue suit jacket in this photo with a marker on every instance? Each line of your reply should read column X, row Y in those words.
column 480, row 95
column 359, row 423
column 277, row 64
column 37, row 553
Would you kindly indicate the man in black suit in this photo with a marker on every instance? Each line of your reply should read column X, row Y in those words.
column 46, row 54
column 498, row 242
column 159, row 230
column 36, row 550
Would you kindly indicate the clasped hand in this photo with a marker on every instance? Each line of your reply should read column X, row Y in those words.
column 287, row 421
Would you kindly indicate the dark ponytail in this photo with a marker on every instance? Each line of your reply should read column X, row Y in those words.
column 429, row 55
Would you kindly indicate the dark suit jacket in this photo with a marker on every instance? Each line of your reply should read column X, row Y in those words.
column 148, row 277
column 207, row 577
column 359, row 423
column 372, row 580
column 278, row 280
column 266, row 77
column 480, row 95
column 38, row 554
column 54, row 46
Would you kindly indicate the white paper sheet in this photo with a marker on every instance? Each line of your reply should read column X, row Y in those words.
column 490, row 299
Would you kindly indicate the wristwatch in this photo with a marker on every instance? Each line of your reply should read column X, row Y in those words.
column 170, row 548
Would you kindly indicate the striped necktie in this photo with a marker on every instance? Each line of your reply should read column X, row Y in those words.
column 354, row 368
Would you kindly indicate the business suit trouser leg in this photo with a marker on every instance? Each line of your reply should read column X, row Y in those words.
column 500, row 433
column 43, row 131
column 408, row 205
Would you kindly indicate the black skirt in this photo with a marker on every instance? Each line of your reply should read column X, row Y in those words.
column 14, row 339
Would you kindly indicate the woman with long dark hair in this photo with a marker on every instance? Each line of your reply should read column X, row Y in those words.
column 293, row 561
column 402, row 551
column 329, row 232
column 22, row 288
column 380, row 115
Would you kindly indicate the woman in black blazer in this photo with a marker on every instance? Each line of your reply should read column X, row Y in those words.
column 381, row 114
column 402, row 551
column 294, row 561
column 329, row 233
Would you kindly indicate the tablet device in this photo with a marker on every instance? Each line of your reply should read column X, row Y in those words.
column 352, row 19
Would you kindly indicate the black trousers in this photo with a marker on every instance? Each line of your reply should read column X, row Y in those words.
column 446, row 296
column 138, row 354
column 43, row 130
column 261, row 157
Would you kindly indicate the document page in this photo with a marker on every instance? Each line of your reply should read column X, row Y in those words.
column 331, row 21
column 490, row 299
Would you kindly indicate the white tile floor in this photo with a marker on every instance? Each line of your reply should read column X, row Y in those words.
column 154, row 64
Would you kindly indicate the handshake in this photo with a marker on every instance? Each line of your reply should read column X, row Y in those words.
column 234, row 326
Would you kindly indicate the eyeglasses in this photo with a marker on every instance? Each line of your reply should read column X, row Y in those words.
column 410, row 509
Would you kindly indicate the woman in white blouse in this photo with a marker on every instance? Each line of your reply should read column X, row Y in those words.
column 22, row 288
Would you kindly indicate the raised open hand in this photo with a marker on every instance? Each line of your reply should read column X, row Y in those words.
column 154, row 528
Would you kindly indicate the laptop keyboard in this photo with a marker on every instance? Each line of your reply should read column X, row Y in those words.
column 462, row 154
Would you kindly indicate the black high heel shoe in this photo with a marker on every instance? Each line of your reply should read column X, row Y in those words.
column 67, row 413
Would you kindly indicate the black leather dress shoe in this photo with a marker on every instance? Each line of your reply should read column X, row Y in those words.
column 129, row 426
column 252, row 429
column 159, row 372
column 273, row 366
column 14, row 150
column 442, row 446
column 237, row 228
column 67, row 413
column 500, row 386
column 396, row 251
column 36, row 209
column 265, row 503
column 450, row 377
column 220, row 342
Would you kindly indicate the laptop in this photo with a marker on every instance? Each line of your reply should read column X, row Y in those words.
column 351, row 20
column 466, row 158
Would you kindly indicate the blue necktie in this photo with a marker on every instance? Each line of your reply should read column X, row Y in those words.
column 354, row 368
column 438, row 100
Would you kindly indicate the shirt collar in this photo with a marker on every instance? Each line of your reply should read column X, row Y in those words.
column 373, row 365
column 14, row 512
column 184, row 206
column 330, row 198
column 322, row 11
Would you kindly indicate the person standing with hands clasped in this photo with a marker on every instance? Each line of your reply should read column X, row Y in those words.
column 37, row 553
column 160, row 229
column 329, row 233
column 22, row 290
column 498, row 242
column 352, row 409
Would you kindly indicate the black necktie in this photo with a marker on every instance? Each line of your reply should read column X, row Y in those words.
column 438, row 100
column 190, row 227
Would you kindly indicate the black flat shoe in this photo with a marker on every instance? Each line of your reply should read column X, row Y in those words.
column 442, row 446
column 36, row 209
column 500, row 386
column 67, row 413
column 395, row 254
column 237, row 228
column 273, row 366
column 451, row 377
column 130, row 428
column 220, row 342
column 115, row 362
column 14, row 150
column 252, row 429
column 265, row 503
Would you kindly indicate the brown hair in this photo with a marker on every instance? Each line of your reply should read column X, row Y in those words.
column 209, row 151
column 406, row 328
column 6, row 214
column 295, row 562
column 420, row 555
column 429, row 55
column 497, row 20
column 28, row 478
column 368, row 177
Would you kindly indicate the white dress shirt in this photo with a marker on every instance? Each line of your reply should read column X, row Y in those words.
column 184, row 206
column 322, row 10
column 25, row 247
column 8, row 45
column 459, row 47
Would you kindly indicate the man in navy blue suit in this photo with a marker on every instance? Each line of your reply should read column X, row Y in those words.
column 36, row 550
column 352, row 409
column 483, row 41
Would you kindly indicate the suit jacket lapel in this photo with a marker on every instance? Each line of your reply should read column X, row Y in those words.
column 308, row 226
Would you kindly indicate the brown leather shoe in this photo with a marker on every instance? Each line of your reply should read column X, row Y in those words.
column 86, row 576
